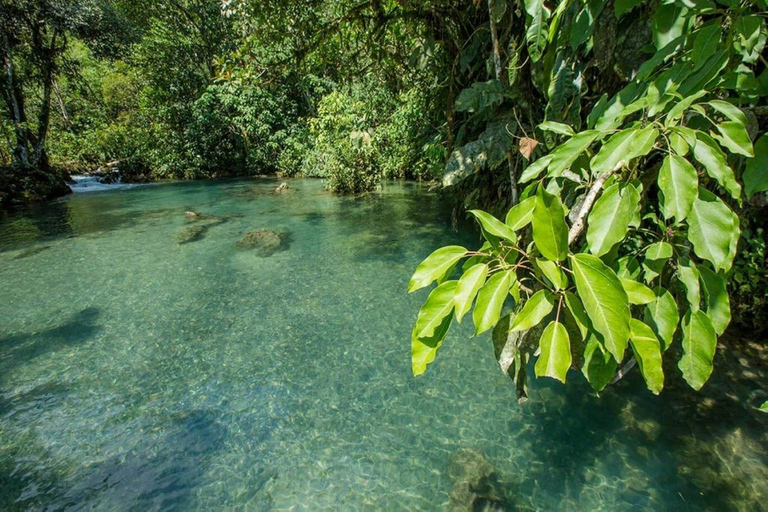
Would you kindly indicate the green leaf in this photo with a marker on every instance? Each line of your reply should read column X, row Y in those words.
column 659, row 251
column 713, row 159
column 699, row 346
column 554, row 127
column 424, row 350
column 711, row 227
column 663, row 316
column 734, row 136
column 668, row 23
column 552, row 271
column 555, row 358
column 494, row 226
column 678, row 144
column 480, row 97
column 490, row 301
column 679, row 185
column 550, row 233
column 621, row 7
column 637, row 293
column 764, row 407
column 681, row 106
column 435, row 266
column 599, row 366
column 623, row 147
column 748, row 32
column 439, row 304
column 467, row 288
column 534, row 310
column 567, row 153
column 627, row 267
column 717, row 301
column 706, row 43
column 645, row 345
column 689, row 276
column 656, row 256
column 609, row 220
column 521, row 214
column 605, row 301
column 536, row 168
column 536, row 35
column 756, row 173
column 730, row 111
column 576, row 308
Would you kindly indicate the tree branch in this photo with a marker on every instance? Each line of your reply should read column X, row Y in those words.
column 578, row 224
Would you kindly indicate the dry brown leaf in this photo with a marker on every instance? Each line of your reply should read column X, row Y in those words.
column 527, row 145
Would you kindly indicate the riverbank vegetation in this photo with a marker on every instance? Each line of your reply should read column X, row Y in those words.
column 627, row 137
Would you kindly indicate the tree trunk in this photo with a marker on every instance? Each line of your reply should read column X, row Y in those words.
column 14, row 101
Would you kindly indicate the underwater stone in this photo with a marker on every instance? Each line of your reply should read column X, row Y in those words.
column 475, row 484
column 264, row 242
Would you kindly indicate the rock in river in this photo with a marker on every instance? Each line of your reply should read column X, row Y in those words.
column 264, row 242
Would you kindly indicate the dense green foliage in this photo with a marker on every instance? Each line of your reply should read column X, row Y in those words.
column 632, row 205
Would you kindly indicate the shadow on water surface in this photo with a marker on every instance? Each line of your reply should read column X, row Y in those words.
column 19, row 349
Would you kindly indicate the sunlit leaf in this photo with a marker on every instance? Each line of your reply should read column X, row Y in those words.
column 637, row 293
column 756, row 173
column 609, row 220
column 494, row 226
column 435, row 266
column 605, row 301
column 466, row 289
column 734, row 136
column 534, row 310
column 555, row 358
column 699, row 345
column 521, row 214
column 490, row 301
column 623, row 147
column 679, row 185
column 718, row 304
column 711, row 225
column 663, row 316
column 438, row 305
column 647, row 352
column 549, row 229
column 688, row 274
column 599, row 366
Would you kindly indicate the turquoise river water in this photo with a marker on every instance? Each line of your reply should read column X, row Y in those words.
column 141, row 373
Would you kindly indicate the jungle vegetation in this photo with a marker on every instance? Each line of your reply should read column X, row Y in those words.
column 613, row 152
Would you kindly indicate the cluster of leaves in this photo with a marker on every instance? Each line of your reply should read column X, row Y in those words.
column 626, row 231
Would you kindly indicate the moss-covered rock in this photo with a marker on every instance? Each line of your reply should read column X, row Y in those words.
column 264, row 242
column 20, row 185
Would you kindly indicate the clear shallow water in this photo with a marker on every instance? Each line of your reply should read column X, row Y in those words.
column 140, row 373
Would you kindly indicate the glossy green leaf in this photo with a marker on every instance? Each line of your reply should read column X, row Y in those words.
column 623, row 147
column 734, row 136
column 711, row 225
column 468, row 286
column 681, row 106
column 679, row 185
column 553, row 273
column 438, row 305
column 756, row 172
column 534, row 310
column 424, row 350
column 535, row 169
column 699, row 346
column 706, row 43
column 647, row 352
column 490, row 301
column 605, row 301
column 609, row 220
column 637, row 293
column 659, row 251
column 663, row 316
column 494, row 226
column 688, row 274
column 718, row 305
column 521, row 214
column 435, row 266
column 707, row 152
column 627, row 267
column 669, row 23
column 554, row 127
column 729, row 110
column 555, row 358
column 550, row 233
column 567, row 152
column 599, row 366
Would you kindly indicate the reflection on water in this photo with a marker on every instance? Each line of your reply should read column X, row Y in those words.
column 140, row 373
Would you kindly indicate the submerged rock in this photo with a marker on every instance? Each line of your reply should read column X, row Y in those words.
column 475, row 484
column 191, row 234
column 26, row 253
column 282, row 187
column 264, row 242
